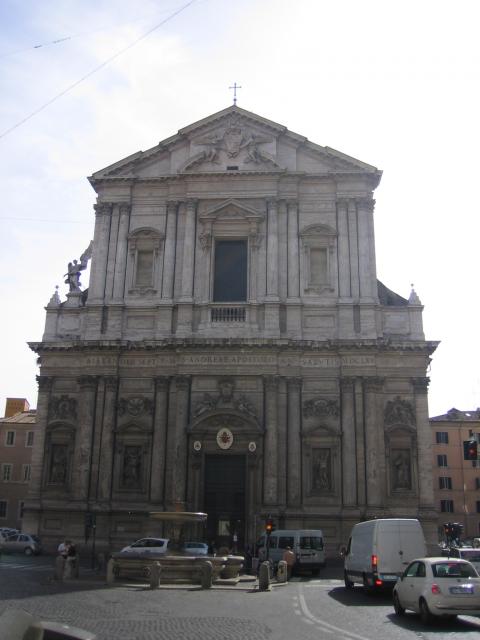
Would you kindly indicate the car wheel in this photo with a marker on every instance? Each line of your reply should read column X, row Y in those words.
column 399, row 610
column 28, row 551
column 348, row 583
column 425, row 615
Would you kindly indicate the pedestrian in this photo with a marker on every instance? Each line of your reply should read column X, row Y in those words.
column 289, row 558
column 63, row 548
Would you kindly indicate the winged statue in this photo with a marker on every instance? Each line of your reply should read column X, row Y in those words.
column 75, row 268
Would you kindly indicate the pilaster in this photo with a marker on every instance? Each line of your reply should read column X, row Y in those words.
column 122, row 249
column 107, row 439
column 270, row 477
column 375, row 468
column 45, row 384
column 98, row 271
column 424, row 443
column 349, row 462
column 82, row 454
column 159, row 439
column 294, row 452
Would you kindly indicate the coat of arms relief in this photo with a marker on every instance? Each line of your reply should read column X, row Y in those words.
column 235, row 142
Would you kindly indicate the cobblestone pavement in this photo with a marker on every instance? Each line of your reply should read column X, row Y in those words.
column 131, row 611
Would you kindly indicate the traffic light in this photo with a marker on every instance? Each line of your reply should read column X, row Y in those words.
column 470, row 450
column 269, row 526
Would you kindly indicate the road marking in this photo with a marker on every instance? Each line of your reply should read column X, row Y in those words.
column 325, row 626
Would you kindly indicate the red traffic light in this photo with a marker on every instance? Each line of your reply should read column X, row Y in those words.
column 269, row 526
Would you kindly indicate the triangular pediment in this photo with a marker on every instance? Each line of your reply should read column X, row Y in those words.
column 231, row 209
column 229, row 141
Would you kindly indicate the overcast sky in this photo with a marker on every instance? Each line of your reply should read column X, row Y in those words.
column 395, row 85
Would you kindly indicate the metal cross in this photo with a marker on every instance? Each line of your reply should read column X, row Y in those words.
column 235, row 87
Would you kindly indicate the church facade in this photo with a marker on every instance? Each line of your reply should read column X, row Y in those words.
column 234, row 352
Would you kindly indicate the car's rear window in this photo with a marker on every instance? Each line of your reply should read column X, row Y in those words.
column 453, row 570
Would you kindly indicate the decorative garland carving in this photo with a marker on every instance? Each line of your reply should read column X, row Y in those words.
column 225, row 398
column 63, row 408
column 135, row 406
column 399, row 411
column 319, row 407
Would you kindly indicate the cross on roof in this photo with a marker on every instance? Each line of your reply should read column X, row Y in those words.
column 235, row 87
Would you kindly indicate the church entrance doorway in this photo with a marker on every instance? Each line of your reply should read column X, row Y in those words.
column 225, row 500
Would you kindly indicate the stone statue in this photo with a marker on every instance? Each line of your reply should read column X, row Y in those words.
column 321, row 470
column 75, row 268
column 131, row 466
column 401, row 470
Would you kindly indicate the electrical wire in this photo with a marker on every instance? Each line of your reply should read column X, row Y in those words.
column 100, row 66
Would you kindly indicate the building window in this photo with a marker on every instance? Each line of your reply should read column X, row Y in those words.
column 144, row 269
column 10, row 439
column 444, row 483
column 442, row 437
column 7, row 472
column 442, row 460
column 29, row 440
column 3, row 508
column 26, row 472
column 230, row 273
column 477, row 483
column 446, row 506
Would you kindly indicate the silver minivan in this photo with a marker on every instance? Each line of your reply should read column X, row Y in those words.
column 307, row 544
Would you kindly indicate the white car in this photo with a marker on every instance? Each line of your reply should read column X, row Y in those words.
column 438, row 587
column 195, row 548
column 147, row 546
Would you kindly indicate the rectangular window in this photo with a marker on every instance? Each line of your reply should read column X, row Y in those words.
column 230, row 273
column 477, row 483
column 7, row 472
column 446, row 506
column 318, row 267
column 3, row 508
column 442, row 437
column 26, row 472
column 442, row 460
column 10, row 438
column 144, row 269
column 445, row 483
column 29, row 440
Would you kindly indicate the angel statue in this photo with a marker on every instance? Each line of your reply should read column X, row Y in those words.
column 75, row 268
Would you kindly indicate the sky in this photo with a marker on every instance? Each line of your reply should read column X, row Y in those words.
column 394, row 84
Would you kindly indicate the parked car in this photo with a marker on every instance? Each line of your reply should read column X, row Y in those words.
column 196, row 548
column 379, row 550
column 438, row 587
column 22, row 543
column 147, row 546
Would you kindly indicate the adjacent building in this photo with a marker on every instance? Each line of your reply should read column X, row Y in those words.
column 17, row 437
column 456, row 480
column 234, row 352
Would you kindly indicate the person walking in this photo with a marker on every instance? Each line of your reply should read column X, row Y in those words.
column 62, row 549
column 289, row 558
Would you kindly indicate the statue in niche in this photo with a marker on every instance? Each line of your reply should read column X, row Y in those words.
column 321, row 470
column 58, row 466
column 74, row 269
column 132, row 464
column 401, row 469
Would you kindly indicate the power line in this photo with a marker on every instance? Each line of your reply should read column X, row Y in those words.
column 45, row 220
column 100, row 66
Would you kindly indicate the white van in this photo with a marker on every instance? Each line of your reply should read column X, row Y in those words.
column 378, row 551
column 307, row 544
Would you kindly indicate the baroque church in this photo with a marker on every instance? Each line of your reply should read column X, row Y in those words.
column 234, row 352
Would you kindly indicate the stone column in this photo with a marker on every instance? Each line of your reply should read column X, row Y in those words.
column 374, row 462
column 272, row 251
column 270, row 452
column 182, row 386
column 424, row 443
column 349, row 462
column 353, row 242
column 169, row 255
column 294, row 450
column 343, row 251
column 45, row 384
column 188, row 252
column 107, row 441
column 112, row 251
column 293, row 253
column 160, row 426
column 367, row 270
column 83, row 437
column 98, row 271
column 121, row 257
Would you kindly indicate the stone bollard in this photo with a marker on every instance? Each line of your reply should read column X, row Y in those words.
column 207, row 574
column 155, row 571
column 264, row 577
column 59, row 568
column 100, row 567
column 282, row 571
column 111, row 571
column 71, row 567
